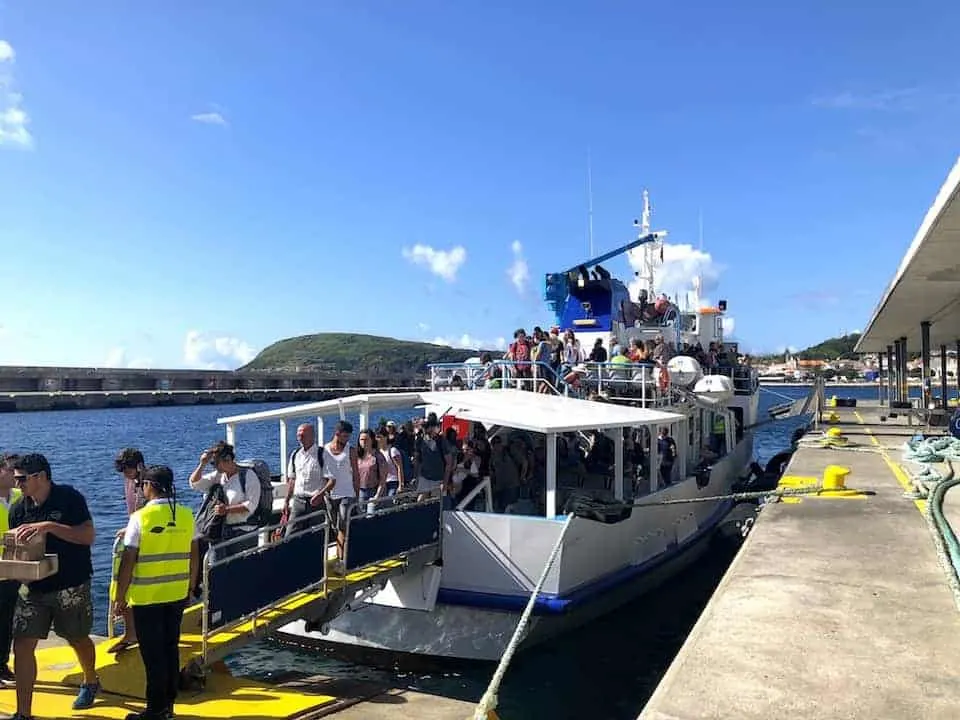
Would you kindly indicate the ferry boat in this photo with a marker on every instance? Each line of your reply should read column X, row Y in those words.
column 467, row 603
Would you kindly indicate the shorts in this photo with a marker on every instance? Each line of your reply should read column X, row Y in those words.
column 69, row 612
column 338, row 509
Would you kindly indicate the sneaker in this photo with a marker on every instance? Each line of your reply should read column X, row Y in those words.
column 17, row 716
column 6, row 674
column 86, row 696
column 150, row 715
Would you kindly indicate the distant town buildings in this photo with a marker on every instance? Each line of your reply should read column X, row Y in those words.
column 794, row 369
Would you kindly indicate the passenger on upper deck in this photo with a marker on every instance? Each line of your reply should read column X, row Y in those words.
column 599, row 353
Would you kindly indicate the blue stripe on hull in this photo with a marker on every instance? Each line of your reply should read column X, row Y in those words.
column 548, row 604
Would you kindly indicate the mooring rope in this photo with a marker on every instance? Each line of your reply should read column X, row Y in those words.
column 488, row 703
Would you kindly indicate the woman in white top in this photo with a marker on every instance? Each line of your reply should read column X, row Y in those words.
column 241, row 501
column 391, row 454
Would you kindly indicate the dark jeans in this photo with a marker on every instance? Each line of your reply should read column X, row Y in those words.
column 158, row 631
column 666, row 472
column 9, row 591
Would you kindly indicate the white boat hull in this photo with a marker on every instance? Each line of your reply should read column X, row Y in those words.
column 465, row 622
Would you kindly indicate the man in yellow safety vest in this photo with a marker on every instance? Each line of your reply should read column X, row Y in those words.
column 157, row 570
column 9, row 589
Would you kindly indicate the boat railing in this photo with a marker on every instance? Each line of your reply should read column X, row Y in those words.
column 746, row 380
column 486, row 489
column 636, row 382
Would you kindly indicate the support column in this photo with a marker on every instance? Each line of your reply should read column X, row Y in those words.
column 283, row 449
column 890, row 376
column 925, row 390
column 880, row 378
column 321, row 435
column 944, row 389
column 551, row 510
column 956, row 370
column 897, row 367
column 904, row 373
column 618, row 463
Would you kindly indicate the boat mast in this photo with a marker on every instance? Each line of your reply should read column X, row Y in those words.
column 652, row 251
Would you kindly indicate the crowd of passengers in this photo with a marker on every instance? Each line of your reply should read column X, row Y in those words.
column 547, row 362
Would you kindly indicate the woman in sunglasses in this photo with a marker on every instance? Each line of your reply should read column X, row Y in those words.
column 130, row 464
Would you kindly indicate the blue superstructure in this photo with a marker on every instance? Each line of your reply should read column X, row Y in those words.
column 586, row 298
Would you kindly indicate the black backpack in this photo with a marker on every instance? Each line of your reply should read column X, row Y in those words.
column 264, row 511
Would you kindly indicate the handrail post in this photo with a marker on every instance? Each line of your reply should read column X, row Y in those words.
column 205, row 608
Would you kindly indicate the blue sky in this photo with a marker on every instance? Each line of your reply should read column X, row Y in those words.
column 183, row 183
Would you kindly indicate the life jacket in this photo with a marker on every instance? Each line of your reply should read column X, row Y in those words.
column 15, row 495
column 162, row 571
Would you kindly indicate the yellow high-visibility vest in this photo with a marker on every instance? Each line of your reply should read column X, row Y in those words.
column 719, row 426
column 162, row 571
column 15, row 495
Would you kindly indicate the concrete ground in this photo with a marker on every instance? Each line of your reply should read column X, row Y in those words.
column 834, row 608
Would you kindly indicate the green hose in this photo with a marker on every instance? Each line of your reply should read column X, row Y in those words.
column 948, row 549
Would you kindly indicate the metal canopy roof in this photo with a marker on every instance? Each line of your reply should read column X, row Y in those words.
column 927, row 283
column 520, row 409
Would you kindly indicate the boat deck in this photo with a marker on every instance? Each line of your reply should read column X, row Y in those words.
column 835, row 607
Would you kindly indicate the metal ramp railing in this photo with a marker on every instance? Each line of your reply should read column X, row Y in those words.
column 249, row 592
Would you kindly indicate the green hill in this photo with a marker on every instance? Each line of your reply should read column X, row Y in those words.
column 349, row 352
column 835, row 348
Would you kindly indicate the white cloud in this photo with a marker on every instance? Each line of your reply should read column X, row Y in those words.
column 13, row 118
column 681, row 263
column 442, row 263
column 422, row 327
column 210, row 118
column 204, row 350
column 518, row 271
column 470, row 342
column 117, row 358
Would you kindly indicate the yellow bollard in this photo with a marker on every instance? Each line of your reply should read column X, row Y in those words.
column 833, row 418
column 835, row 432
column 835, row 477
column 832, row 402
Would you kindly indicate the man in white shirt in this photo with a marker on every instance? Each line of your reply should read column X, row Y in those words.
column 305, row 481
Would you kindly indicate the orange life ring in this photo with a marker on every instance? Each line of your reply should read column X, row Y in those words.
column 664, row 378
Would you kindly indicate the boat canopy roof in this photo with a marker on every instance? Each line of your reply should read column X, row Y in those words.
column 534, row 412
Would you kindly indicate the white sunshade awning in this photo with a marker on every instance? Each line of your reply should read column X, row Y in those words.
column 926, row 286
column 349, row 403
column 541, row 413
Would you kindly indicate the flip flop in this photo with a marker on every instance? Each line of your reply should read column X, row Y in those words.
column 121, row 646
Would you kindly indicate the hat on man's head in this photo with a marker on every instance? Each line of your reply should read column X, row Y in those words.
column 391, row 424
column 431, row 421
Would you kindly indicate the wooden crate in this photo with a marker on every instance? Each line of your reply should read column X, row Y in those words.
column 29, row 570
column 33, row 550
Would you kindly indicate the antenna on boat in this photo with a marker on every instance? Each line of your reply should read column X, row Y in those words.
column 590, row 199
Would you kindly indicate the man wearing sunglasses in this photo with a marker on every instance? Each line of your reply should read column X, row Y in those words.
column 59, row 514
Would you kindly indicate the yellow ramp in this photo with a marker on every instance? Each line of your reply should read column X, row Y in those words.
column 123, row 680
column 224, row 697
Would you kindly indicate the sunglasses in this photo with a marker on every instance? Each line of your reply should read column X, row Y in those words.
column 20, row 479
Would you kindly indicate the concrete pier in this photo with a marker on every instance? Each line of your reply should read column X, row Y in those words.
column 834, row 607
column 70, row 388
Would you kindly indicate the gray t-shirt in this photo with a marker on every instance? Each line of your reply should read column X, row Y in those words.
column 433, row 453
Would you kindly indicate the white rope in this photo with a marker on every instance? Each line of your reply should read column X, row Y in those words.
column 488, row 702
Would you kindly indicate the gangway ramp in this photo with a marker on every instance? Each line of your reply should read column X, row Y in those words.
column 245, row 596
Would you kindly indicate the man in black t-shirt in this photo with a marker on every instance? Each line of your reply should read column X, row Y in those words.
column 667, row 447
column 61, row 601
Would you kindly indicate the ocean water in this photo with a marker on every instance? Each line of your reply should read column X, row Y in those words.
column 606, row 669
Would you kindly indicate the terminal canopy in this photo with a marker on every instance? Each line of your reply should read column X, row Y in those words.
column 927, row 283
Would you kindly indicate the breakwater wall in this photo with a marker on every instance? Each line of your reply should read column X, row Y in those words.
column 72, row 388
